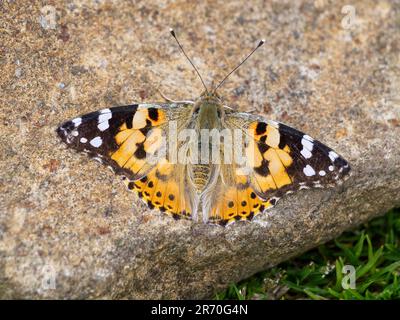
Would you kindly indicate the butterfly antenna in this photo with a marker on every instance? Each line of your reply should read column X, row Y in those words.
column 237, row 67
column 194, row 67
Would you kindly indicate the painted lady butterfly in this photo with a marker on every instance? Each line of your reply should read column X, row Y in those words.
column 278, row 159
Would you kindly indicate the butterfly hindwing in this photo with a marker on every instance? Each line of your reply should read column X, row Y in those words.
column 231, row 198
column 166, row 188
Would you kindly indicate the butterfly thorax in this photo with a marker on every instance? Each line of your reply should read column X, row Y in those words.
column 209, row 115
column 209, row 111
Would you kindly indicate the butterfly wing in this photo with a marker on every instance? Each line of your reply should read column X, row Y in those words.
column 124, row 138
column 167, row 188
column 280, row 160
column 230, row 197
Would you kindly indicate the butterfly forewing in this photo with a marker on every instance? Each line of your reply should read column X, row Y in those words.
column 284, row 159
column 123, row 137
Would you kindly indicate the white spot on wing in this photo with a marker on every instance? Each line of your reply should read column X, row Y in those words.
column 83, row 140
column 308, row 146
column 331, row 168
column 96, row 142
column 307, row 143
column 306, row 153
column 307, row 137
column 322, row 173
column 103, row 126
column 77, row 122
column 333, row 155
column 309, row 171
column 104, row 116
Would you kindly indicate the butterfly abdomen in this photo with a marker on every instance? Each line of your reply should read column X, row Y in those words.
column 208, row 119
column 200, row 176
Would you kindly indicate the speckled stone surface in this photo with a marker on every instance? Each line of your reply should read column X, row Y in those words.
column 69, row 228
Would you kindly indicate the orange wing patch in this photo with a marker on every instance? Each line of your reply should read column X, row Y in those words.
column 162, row 189
column 128, row 141
column 237, row 204
column 268, row 158
column 148, row 116
column 234, row 198
column 137, row 138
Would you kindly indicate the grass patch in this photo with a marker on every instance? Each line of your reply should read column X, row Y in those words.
column 373, row 250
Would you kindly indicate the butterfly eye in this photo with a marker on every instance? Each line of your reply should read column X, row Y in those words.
column 219, row 113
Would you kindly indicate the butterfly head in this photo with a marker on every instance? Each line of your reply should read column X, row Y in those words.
column 210, row 97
